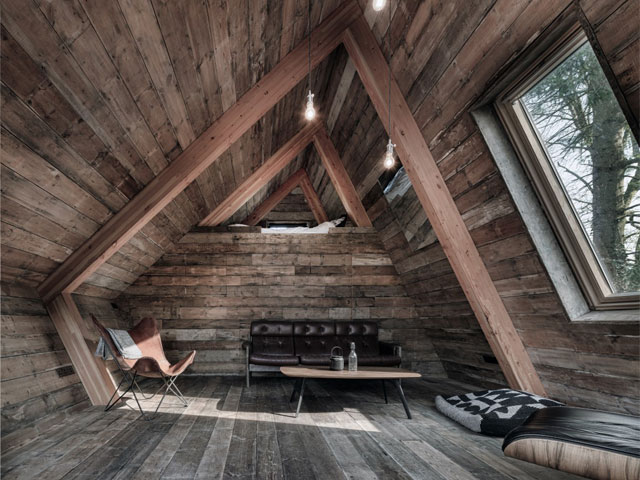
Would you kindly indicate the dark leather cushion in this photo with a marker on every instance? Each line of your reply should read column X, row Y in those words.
column 273, row 360
column 315, row 360
column 271, row 329
column 377, row 361
column 590, row 428
column 365, row 346
column 272, row 345
column 314, row 338
column 314, row 329
column 314, row 345
column 354, row 328
column 363, row 334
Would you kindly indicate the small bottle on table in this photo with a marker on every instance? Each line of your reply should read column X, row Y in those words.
column 353, row 358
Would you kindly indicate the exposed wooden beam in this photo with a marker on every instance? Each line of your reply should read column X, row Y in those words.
column 261, row 176
column 92, row 372
column 227, row 129
column 275, row 198
column 297, row 179
column 313, row 200
column 443, row 214
column 340, row 179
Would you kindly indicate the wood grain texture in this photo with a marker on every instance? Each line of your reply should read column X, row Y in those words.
column 576, row 459
column 344, row 430
column 92, row 372
column 275, row 198
column 340, row 179
column 443, row 213
column 33, row 395
column 298, row 179
column 196, row 158
column 206, row 291
column 261, row 176
column 363, row 373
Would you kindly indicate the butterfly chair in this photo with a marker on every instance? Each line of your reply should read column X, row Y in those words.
column 153, row 363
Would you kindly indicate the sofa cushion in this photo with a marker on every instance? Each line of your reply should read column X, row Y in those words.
column 271, row 329
column 273, row 360
column 309, row 359
column 314, row 338
column 272, row 345
column 363, row 334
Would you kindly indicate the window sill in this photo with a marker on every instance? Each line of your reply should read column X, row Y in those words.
column 608, row 316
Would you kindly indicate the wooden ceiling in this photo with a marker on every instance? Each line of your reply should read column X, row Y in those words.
column 98, row 97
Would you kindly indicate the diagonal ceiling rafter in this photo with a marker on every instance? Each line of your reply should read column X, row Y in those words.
column 345, row 25
column 297, row 179
column 205, row 150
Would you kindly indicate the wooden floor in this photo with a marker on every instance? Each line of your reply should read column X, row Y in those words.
column 344, row 430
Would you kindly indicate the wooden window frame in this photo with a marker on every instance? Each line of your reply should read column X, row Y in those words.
column 535, row 160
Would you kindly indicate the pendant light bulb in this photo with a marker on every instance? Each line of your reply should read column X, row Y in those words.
column 310, row 112
column 389, row 160
column 379, row 4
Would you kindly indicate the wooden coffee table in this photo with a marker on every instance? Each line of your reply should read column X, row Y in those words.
column 394, row 375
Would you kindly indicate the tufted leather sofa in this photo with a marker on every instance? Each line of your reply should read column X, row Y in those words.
column 280, row 343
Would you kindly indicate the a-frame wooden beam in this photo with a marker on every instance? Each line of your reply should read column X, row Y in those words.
column 92, row 372
column 298, row 178
column 346, row 25
column 227, row 129
column 313, row 132
column 443, row 214
column 261, row 176
column 340, row 178
column 313, row 200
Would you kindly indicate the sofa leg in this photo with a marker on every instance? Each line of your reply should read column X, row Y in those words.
column 248, row 376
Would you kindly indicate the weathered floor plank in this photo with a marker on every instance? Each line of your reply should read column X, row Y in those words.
column 228, row 431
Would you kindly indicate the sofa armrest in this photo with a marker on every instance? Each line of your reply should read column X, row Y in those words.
column 388, row 348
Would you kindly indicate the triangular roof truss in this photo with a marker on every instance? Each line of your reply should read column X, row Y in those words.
column 347, row 26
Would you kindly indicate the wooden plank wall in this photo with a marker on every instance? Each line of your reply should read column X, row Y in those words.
column 587, row 364
column 33, row 396
column 211, row 285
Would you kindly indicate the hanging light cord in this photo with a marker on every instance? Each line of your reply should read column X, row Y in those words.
column 389, row 47
column 309, row 37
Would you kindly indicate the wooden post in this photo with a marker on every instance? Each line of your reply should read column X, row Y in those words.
column 208, row 147
column 275, row 198
column 443, row 214
column 299, row 178
column 260, row 177
column 313, row 200
column 92, row 372
column 340, row 179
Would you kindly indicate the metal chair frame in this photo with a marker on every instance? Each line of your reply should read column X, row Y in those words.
column 168, row 382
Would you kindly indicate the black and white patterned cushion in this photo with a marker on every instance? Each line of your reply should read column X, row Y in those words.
column 492, row 412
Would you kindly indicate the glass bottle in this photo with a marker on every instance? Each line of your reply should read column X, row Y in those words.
column 353, row 358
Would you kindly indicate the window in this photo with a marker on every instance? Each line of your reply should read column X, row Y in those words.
column 584, row 162
column 285, row 225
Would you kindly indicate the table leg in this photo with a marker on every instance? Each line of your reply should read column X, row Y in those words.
column 300, row 397
column 296, row 388
column 396, row 382
column 384, row 390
